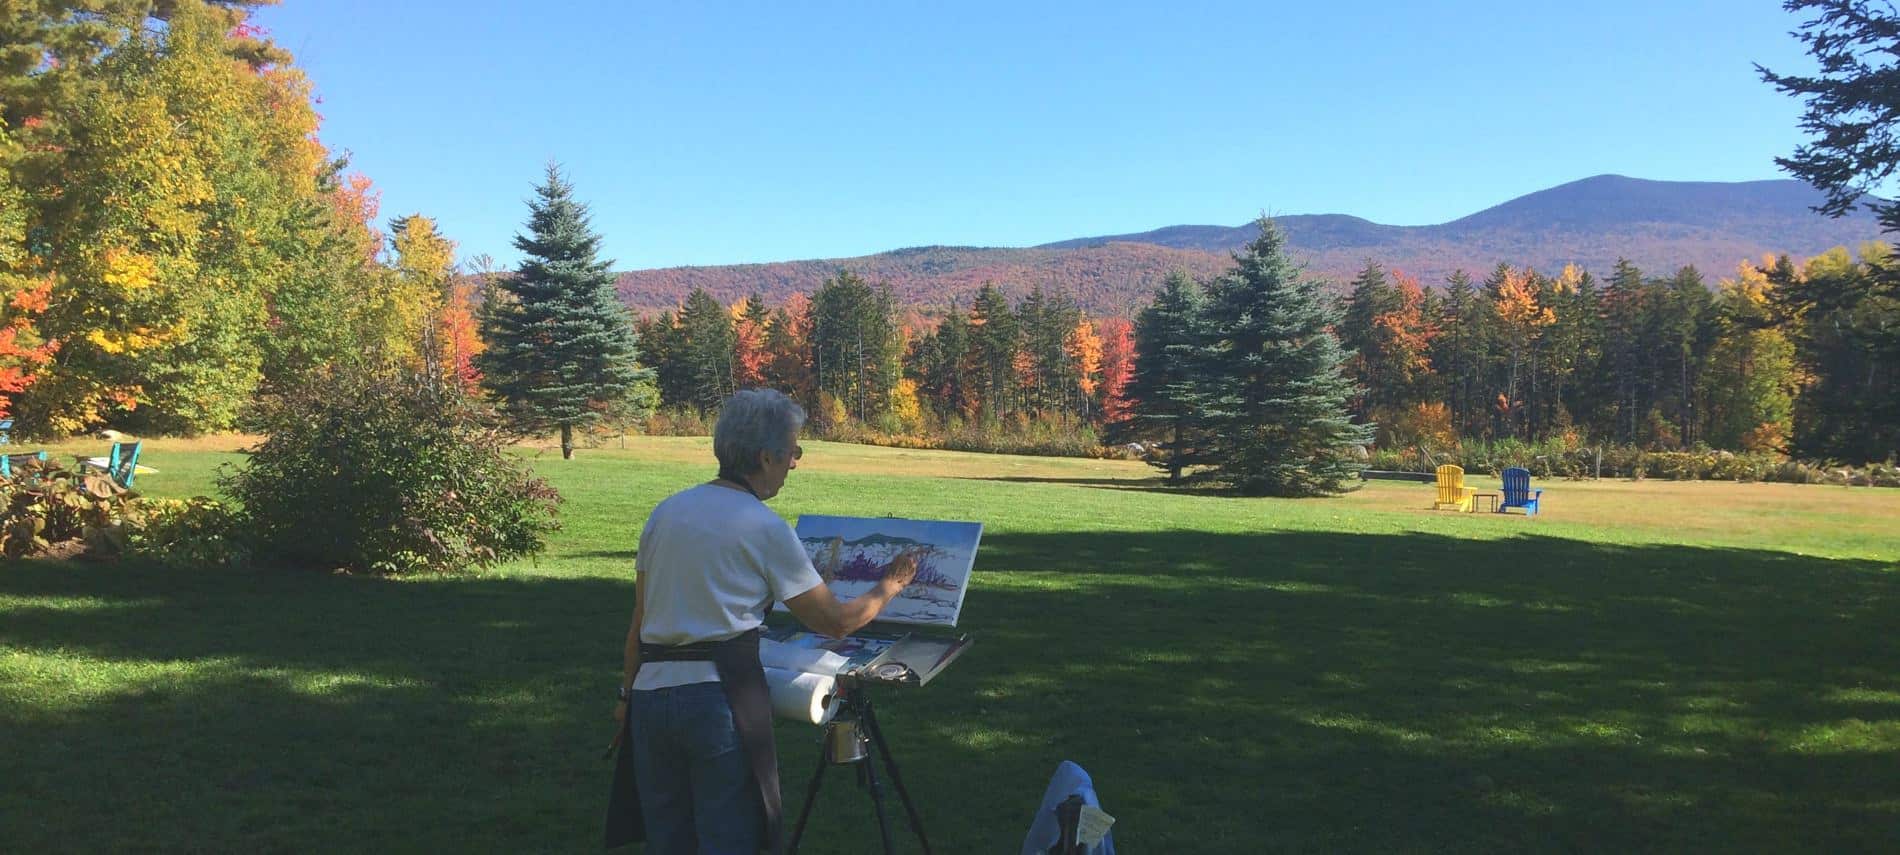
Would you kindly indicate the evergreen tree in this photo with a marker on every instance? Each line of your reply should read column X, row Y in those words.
column 855, row 344
column 1463, row 352
column 995, row 336
column 660, row 350
column 703, row 351
column 1163, row 407
column 1690, row 328
column 937, row 365
column 561, row 351
column 1571, row 343
column 1274, row 386
column 1622, row 358
column 1847, row 338
column 1371, row 297
column 756, row 311
column 1051, row 383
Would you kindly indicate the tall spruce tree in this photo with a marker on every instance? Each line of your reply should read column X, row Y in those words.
column 995, row 336
column 1273, row 384
column 1164, row 409
column 561, row 347
column 704, row 352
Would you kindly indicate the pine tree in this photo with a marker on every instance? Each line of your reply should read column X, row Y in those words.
column 561, row 351
column 937, row 365
column 1370, row 298
column 1161, row 391
column 1273, row 386
column 995, row 337
column 704, row 351
column 1622, row 307
column 855, row 344
column 1463, row 352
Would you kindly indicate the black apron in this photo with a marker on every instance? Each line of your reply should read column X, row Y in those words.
column 737, row 661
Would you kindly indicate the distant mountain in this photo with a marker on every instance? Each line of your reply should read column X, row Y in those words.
column 1657, row 225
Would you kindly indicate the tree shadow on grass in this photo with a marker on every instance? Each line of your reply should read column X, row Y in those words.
column 1230, row 692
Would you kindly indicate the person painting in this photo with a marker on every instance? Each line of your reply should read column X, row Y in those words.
column 697, row 770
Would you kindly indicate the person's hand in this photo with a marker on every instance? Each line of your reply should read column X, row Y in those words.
column 901, row 571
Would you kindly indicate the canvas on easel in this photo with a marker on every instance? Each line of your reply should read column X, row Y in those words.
column 852, row 553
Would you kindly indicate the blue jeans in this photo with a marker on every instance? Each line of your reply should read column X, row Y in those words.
column 696, row 789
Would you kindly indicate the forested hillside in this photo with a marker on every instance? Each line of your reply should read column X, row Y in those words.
column 1590, row 223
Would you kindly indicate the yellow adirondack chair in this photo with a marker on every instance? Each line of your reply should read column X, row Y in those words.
column 1453, row 495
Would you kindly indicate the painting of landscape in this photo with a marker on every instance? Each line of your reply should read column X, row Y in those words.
column 852, row 553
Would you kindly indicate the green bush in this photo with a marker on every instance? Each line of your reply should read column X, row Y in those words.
column 199, row 531
column 377, row 471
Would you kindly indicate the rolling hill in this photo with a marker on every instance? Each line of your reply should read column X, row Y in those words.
column 1658, row 225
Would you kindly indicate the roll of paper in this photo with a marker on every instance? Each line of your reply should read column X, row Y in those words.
column 773, row 654
column 802, row 697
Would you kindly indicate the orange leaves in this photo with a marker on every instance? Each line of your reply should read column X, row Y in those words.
column 1406, row 326
column 459, row 336
column 22, row 352
column 749, row 356
column 33, row 299
column 1085, row 347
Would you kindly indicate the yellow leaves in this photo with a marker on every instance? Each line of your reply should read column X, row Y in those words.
column 129, row 270
column 1750, row 285
column 1570, row 280
column 905, row 406
column 1517, row 303
column 127, row 343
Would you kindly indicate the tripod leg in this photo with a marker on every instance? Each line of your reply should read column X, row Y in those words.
column 877, row 802
column 811, row 798
column 897, row 780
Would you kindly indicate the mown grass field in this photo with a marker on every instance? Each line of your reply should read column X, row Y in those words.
column 1647, row 665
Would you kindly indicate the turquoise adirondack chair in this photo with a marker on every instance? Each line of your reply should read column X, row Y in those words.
column 1518, row 492
column 123, row 463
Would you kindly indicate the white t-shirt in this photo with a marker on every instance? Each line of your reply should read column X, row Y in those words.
column 712, row 559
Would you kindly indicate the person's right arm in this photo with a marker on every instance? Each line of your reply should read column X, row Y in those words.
column 820, row 610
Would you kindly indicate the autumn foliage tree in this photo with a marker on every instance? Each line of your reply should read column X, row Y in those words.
column 165, row 164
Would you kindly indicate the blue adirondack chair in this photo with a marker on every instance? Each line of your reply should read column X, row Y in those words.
column 1518, row 492
column 6, row 462
column 6, row 431
column 123, row 463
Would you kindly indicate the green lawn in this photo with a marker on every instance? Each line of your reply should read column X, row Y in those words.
column 1645, row 666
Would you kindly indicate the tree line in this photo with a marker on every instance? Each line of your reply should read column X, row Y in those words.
column 1779, row 358
column 849, row 355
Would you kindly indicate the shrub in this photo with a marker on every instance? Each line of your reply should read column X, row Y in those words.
column 678, row 421
column 48, row 507
column 377, row 471
column 198, row 531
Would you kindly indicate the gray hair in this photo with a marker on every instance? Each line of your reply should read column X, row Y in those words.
column 752, row 421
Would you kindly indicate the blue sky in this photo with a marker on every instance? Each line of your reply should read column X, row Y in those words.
column 716, row 133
